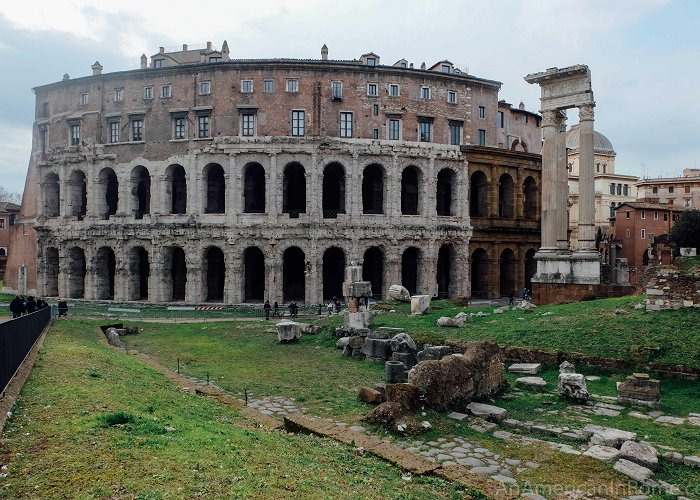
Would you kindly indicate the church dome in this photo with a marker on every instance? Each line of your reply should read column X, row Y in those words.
column 601, row 144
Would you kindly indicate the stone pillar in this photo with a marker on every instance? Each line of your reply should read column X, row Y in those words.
column 195, row 276
column 121, row 275
column 550, row 206
column 562, row 183
column 586, row 216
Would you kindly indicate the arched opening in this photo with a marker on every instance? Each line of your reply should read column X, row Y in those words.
column 215, row 274
column 108, row 193
column 105, row 266
column 52, row 196
column 254, row 275
column 508, row 272
column 141, row 191
column 409, row 191
column 76, row 273
column 293, row 277
column 506, row 196
column 530, row 198
column 139, row 273
column 176, row 272
column 444, row 195
column 373, row 270
column 444, row 271
column 478, row 195
column 530, row 267
column 410, row 266
column 77, row 194
column 51, row 263
column 373, row 190
column 254, row 189
column 333, row 273
column 216, row 189
column 479, row 273
column 294, row 190
column 333, row 190
column 176, row 189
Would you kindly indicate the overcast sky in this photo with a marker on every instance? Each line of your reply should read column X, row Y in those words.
column 644, row 55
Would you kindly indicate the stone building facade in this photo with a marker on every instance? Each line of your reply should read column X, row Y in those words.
column 8, row 213
column 201, row 178
column 683, row 191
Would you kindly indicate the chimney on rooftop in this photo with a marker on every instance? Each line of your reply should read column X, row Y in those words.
column 225, row 51
column 144, row 61
column 184, row 47
column 208, row 46
column 324, row 52
column 96, row 68
column 162, row 50
column 66, row 77
column 422, row 65
column 521, row 105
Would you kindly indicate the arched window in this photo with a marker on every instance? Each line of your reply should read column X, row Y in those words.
column 478, row 195
column 293, row 277
column 107, row 193
column 506, row 196
column 141, row 191
column 216, row 189
column 333, row 190
column 373, row 270
column 254, row 189
column 176, row 189
column 445, row 192
column 51, row 267
column 373, row 190
column 410, row 269
column 105, row 266
column 445, row 267
column 333, row 273
column 530, row 198
column 139, row 273
column 77, row 192
column 479, row 273
column 215, row 267
column 52, row 196
column 409, row 191
column 254, row 275
column 76, row 273
column 508, row 270
column 294, row 190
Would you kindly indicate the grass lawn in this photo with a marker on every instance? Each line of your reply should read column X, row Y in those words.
column 95, row 423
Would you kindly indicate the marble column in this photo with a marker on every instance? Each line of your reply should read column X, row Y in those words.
column 586, row 226
column 562, row 184
column 550, row 196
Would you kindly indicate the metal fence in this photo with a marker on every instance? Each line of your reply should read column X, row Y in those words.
column 17, row 337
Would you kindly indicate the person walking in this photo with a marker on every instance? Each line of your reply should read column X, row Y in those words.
column 330, row 308
column 16, row 307
column 275, row 310
column 62, row 308
column 31, row 305
column 22, row 305
column 267, row 309
column 510, row 297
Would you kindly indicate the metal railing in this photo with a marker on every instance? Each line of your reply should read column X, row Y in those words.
column 17, row 337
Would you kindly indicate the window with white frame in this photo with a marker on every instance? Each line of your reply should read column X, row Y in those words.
column 345, row 124
column 643, row 215
column 455, row 132
column 372, row 89
column 375, row 109
column 148, row 92
column 298, row 122
column 656, row 215
column 137, row 129
column 203, row 126
column 268, row 86
column 246, row 86
column 425, row 92
column 2, row 223
column 205, row 88
column 644, row 234
column 394, row 129
column 452, row 97
column 179, row 127
column 292, row 85
column 394, row 90
column 482, row 137
column 424, row 131
column 114, row 129
column 119, row 94
column 482, row 112
column 158, row 63
column 375, row 133
column 84, row 98
column 166, row 91
column 336, row 90
column 75, row 134
column 248, row 124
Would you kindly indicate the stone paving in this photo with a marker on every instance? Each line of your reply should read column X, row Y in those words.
column 274, row 405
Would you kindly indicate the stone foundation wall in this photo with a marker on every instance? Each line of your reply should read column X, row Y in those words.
column 670, row 288
column 559, row 293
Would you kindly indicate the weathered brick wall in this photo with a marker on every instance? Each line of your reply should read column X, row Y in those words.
column 671, row 288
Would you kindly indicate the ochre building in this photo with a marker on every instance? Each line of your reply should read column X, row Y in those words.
column 202, row 178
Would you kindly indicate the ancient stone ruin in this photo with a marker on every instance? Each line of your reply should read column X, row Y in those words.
column 639, row 389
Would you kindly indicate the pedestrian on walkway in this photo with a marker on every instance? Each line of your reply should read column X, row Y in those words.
column 510, row 297
column 267, row 309
column 62, row 308
column 275, row 310
column 16, row 307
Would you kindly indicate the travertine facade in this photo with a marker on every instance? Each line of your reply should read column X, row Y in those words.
column 201, row 178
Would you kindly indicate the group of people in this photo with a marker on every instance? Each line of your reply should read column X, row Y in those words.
column 21, row 306
column 333, row 306
column 275, row 309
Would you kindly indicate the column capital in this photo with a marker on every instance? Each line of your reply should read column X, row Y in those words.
column 585, row 112
column 549, row 117
column 560, row 120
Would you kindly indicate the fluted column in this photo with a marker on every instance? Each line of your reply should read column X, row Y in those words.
column 562, row 184
column 586, row 216
column 549, row 180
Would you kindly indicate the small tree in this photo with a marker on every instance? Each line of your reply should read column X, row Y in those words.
column 686, row 230
column 7, row 196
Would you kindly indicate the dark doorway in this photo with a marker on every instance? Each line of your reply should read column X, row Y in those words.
column 177, row 184
column 530, row 198
column 178, row 274
column 141, row 188
column 216, row 274
column 293, row 277
column 216, row 189
column 52, row 196
column 444, row 271
column 479, row 273
column 443, row 198
column 530, row 268
column 51, row 263
column 373, row 270
column 410, row 264
column 294, row 190
column 76, row 273
column 254, row 189
column 333, row 190
column 333, row 273
column 409, row 191
column 139, row 273
column 373, row 190
column 506, row 196
column 508, row 271
column 104, row 274
column 78, row 194
column 108, row 193
column 254, row 272
column 478, row 195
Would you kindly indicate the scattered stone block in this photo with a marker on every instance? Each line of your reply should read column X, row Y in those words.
column 420, row 304
column 572, row 386
column 526, row 368
column 288, row 331
column 636, row 414
column 395, row 372
column 370, row 396
column 592, row 378
column 693, row 420
column 400, row 293
column 362, row 319
column 532, row 382
column 487, row 412
column 692, row 461
column 673, row 456
column 639, row 389
column 407, row 358
column 457, row 416
column 567, row 367
column 671, row 489
column 643, row 454
column 342, row 342
column 607, row 436
column 633, row 470
column 402, row 342
column 485, row 470
column 606, row 454
column 376, row 349
column 449, row 322
column 667, row 419
column 606, row 412
column 503, row 479
column 436, row 352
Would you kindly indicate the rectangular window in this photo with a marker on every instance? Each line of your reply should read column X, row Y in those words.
column 84, row 98
column 214, row 59
column 337, row 90
column 75, row 134
column 425, row 92
column 482, row 137
column 2, row 226
column 158, row 63
column 165, row 91
column 137, row 130
column 455, row 133
column 394, row 90
column 424, row 130
column 118, row 94
column 644, row 234
column 43, row 137
column 670, row 190
column 298, row 122
column 292, row 85
column 345, row 124
column 654, row 190
column 375, row 109
column 268, row 86
column 643, row 215
column 372, row 89
column 114, row 132
column 394, row 130
column 204, row 88
column 482, row 112
column 665, row 217
column 687, row 189
column 246, row 86
column 612, row 188
column 501, row 118
column 248, row 125
column 452, row 97
column 180, row 131
column 627, row 233
column 371, row 61
column 626, row 189
column 148, row 92
column 375, row 133
column 203, row 130
column 619, row 189
column 45, row 109
column 656, row 215
column 445, row 68
column 627, row 215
